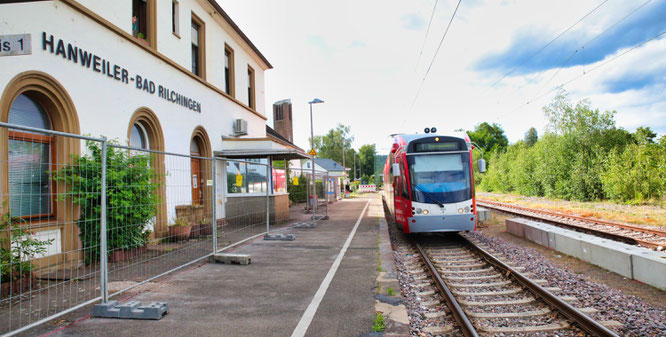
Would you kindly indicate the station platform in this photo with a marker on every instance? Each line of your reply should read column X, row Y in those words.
column 291, row 288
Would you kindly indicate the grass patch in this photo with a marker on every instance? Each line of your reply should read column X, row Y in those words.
column 378, row 322
column 390, row 292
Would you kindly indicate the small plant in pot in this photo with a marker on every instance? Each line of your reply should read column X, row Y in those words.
column 18, row 248
column 205, row 227
column 180, row 229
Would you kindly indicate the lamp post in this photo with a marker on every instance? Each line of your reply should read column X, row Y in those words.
column 314, row 190
column 344, row 168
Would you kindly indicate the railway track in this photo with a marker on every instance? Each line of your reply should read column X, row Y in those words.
column 635, row 235
column 485, row 296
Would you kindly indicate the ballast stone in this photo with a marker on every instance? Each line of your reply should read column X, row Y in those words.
column 228, row 258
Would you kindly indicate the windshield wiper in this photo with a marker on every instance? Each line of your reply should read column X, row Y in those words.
column 429, row 197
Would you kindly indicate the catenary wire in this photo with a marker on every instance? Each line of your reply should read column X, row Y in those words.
column 426, row 35
column 546, row 45
column 566, row 60
column 592, row 69
column 436, row 52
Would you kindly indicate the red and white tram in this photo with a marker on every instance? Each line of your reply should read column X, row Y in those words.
column 429, row 183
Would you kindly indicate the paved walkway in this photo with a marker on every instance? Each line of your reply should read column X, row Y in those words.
column 270, row 296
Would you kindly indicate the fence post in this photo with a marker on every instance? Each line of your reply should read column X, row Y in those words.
column 214, row 201
column 327, row 188
column 268, row 195
column 103, row 268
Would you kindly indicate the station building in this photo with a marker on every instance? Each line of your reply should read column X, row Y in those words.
column 167, row 75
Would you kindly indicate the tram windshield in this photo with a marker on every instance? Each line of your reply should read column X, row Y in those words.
column 440, row 178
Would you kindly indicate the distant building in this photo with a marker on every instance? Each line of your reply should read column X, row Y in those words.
column 282, row 120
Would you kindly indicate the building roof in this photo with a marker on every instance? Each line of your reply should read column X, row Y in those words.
column 328, row 164
column 270, row 132
column 239, row 31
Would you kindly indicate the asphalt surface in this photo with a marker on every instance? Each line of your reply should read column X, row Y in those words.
column 269, row 296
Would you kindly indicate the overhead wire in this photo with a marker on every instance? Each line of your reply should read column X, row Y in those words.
column 425, row 38
column 436, row 52
column 547, row 44
column 593, row 69
column 566, row 60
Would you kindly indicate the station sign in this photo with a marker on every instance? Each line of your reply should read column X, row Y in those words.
column 12, row 45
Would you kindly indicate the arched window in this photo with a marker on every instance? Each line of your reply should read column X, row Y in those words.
column 139, row 137
column 30, row 159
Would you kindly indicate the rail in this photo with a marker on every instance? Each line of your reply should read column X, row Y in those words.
column 613, row 236
column 581, row 320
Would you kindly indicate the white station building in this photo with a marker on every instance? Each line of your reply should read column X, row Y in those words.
column 167, row 75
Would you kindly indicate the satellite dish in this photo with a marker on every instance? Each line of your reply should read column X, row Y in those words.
column 427, row 130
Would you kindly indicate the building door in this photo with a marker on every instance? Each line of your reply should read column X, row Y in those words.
column 197, row 192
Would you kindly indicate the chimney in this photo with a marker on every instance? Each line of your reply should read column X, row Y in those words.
column 282, row 122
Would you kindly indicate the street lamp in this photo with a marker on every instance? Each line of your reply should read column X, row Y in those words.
column 314, row 191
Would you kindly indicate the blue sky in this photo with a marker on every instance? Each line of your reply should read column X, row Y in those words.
column 364, row 59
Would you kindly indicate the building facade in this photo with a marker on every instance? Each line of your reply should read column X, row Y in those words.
column 175, row 76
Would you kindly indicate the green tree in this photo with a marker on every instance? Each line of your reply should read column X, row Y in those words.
column 531, row 137
column 644, row 135
column 330, row 145
column 366, row 156
column 489, row 137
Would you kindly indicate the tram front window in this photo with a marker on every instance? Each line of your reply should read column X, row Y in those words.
column 440, row 178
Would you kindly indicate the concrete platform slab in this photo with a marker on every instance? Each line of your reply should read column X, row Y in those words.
column 634, row 262
column 650, row 268
column 269, row 296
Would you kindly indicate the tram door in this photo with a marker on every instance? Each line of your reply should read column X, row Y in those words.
column 197, row 193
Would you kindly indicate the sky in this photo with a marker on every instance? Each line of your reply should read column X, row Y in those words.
column 501, row 62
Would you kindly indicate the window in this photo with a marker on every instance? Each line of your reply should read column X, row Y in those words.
column 279, row 113
column 279, row 181
column 198, row 47
column 247, row 177
column 139, row 137
column 30, row 159
column 229, row 71
column 175, row 27
column 144, row 20
column 250, row 87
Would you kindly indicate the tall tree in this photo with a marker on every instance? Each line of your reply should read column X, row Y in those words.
column 367, row 158
column 330, row 144
column 489, row 137
column 531, row 137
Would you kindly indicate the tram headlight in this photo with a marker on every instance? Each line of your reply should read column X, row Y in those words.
column 466, row 209
column 425, row 212
column 418, row 211
column 460, row 210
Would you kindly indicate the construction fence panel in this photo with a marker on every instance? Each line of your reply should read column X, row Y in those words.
column 301, row 191
column 50, row 216
column 244, row 199
column 159, row 214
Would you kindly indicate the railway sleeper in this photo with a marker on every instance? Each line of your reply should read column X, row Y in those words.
column 455, row 261
column 438, row 330
column 465, row 271
column 475, row 265
column 525, row 329
column 488, row 293
column 524, row 300
column 532, row 313
column 467, row 278
column 479, row 285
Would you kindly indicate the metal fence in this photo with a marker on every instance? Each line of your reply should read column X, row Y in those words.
column 324, row 191
column 84, row 219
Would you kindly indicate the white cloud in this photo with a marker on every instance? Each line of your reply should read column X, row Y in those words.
column 364, row 64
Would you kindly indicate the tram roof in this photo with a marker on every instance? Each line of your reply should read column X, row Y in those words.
column 408, row 138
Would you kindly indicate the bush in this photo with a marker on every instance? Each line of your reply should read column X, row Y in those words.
column 17, row 248
column 131, row 197
column 297, row 193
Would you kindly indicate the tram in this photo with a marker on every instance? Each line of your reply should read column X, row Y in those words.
column 429, row 183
